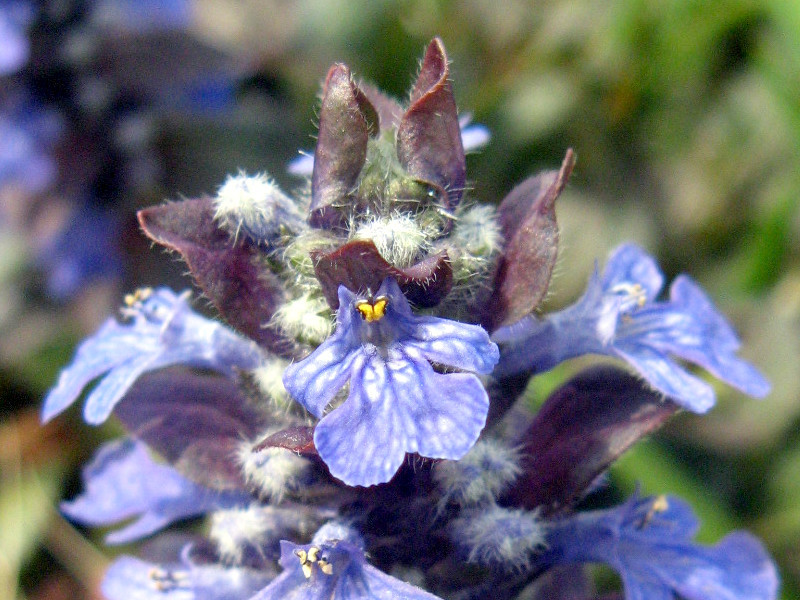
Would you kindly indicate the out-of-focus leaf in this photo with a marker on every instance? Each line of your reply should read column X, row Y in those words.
column 26, row 505
column 196, row 421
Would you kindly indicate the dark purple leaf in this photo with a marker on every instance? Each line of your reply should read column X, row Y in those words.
column 196, row 421
column 528, row 223
column 346, row 121
column 229, row 274
column 360, row 267
column 299, row 439
column 583, row 427
column 429, row 137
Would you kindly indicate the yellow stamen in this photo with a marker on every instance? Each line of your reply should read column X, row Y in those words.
column 372, row 311
column 325, row 566
column 138, row 296
column 660, row 504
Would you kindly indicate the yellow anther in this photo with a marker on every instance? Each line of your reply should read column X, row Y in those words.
column 163, row 580
column 660, row 504
column 634, row 291
column 325, row 566
column 310, row 558
column 138, row 296
column 372, row 311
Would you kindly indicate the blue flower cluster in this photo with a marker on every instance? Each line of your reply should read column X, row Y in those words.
column 346, row 434
column 77, row 120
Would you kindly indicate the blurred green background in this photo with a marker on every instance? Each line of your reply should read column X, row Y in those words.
column 685, row 117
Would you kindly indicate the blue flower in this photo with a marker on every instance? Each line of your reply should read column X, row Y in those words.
column 161, row 330
column 28, row 132
column 334, row 567
column 122, row 481
column 397, row 403
column 15, row 18
column 129, row 578
column 619, row 316
column 648, row 542
column 83, row 251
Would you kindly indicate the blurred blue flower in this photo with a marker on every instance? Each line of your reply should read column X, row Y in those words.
column 122, row 481
column 648, row 542
column 15, row 18
column 619, row 316
column 28, row 133
column 83, row 251
column 161, row 330
column 130, row 578
column 333, row 568
column 141, row 15
column 397, row 403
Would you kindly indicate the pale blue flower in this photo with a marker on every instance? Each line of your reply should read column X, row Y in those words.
column 130, row 578
column 122, row 481
column 620, row 316
column 160, row 330
column 15, row 18
column 648, row 542
column 397, row 402
column 334, row 567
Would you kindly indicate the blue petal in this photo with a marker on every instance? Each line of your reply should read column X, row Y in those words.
column 474, row 137
column 718, row 354
column 455, row 344
column 129, row 578
column 396, row 406
column 122, row 481
column 351, row 577
column 629, row 264
column 162, row 331
column 649, row 543
column 314, row 381
column 668, row 377
column 112, row 345
column 450, row 343
column 735, row 568
column 537, row 345
column 101, row 402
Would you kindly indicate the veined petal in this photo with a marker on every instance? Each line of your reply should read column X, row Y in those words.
column 668, row 377
column 396, row 406
column 618, row 316
column 629, row 265
column 162, row 330
column 454, row 344
column 648, row 541
column 347, row 575
column 101, row 402
column 110, row 346
column 122, row 481
column 130, row 578
column 718, row 343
